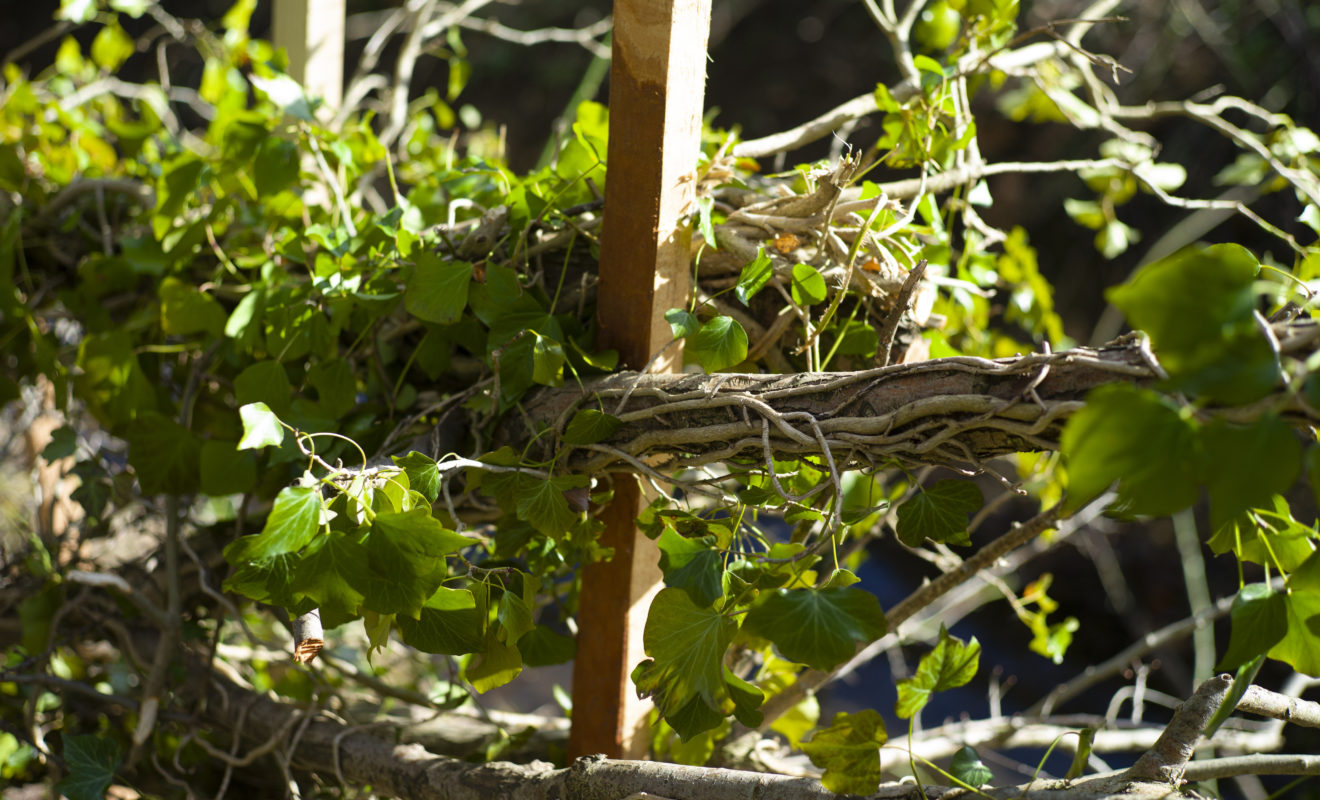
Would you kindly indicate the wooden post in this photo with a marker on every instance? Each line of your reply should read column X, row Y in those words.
column 312, row 33
column 657, row 83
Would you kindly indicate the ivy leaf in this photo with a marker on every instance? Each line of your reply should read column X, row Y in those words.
column 1300, row 646
column 405, row 561
column 286, row 93
column 514, row 611
column 1137, row 438
column 542, row 503
column 111, row 379
column 939, row 513
column 692, row 565
column 423, row 474
column 177, row 185
column 496, row 664
column 808, row 285
column 438, row 289
column 1197, row 305
column 269, row 581
column 968, row 767
column 264, row 382
column 686, row 644
column 547, row 360
column 1260, row 621
column 111, row 47
column 1247, row 465
column 165, row 455
column 849, row 752
column 683, row 322
column 754, row 276
column 335, row 385
column 92, row 761
column 225, row 469
column 951, row 664
column 542, row 647
column 185, row 310
column 817, row 627
column 589, row 426
column 261, row 428
column 290, row 526
column 720, row 344
column 747, row 700
column 327, row 575
column 449, row 623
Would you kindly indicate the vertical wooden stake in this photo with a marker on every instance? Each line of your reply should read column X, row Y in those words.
column 312, row 33
column 657, row 84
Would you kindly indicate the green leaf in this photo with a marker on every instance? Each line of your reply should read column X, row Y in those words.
column 185, row 310
column 1197, row 306
column 1300, row 646
column 683, row 322
column 110, row 378
column 1137, row 438
column 1248, row 465
column 753, row 278
column 264, row 382
column 405, row 561
column 449, row 623
column 694, row 566
column 967, row 767
column 686, row 644
column 327, row 576
column 515, row 613
column 747, row 700
column 589, row 426
column 951, row 664
column 225, row 469
column 849, row 752
column 542, row 503
column 63, row 443
column 292, row 523
column 335, row 385
column 91, row 762
column 496, row 664
column 111, row 47
column 261, row 428
column 1260, row 621
column 939, row 513
column 808, row 285
column 165, row 455
column 438, row 289
column 423, row 474
column 286, row 93
column 721, row 343
column 275, row 167
column 177, row 185
column 547, row 360
column 817, row 627
column 542, row 647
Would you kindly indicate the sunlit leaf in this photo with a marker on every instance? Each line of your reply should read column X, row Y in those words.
column 951, row 664
column 261, row 428
column 720, row 344
column 939, row 513
column 821, row 628
column 849, row 751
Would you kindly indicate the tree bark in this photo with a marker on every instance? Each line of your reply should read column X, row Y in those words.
column 957, row 411
column 409, row 771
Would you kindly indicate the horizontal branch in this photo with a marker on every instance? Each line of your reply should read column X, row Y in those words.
column 358, row 756
column 957, row 411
